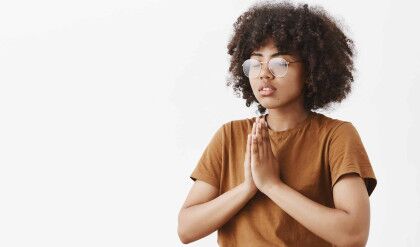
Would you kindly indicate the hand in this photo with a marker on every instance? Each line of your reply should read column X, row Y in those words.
column 265, row 168
column 248, row 181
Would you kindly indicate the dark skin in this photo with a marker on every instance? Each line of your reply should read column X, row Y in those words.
column 257, row 176
column 285, row 106
column 261, row 153
column 205, row 211
column 345, row 225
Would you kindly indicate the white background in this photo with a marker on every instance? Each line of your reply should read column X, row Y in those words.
column 106, row 106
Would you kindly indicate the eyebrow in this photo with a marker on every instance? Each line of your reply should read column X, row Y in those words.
column 272, row 55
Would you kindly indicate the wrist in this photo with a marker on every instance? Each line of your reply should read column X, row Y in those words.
column 270, row 187
column 249, row 188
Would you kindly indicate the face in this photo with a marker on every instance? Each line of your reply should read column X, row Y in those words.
column 287, row 89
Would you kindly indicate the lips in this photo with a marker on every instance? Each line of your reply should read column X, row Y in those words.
column 266, row 86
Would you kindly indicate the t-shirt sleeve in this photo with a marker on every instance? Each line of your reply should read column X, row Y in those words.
column 348, row 155
column 208, row 167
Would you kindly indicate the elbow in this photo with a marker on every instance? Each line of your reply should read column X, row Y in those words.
column 361, row 241
column 182, row 236
column 355, row 235
column 354, row 241
column 182, row 233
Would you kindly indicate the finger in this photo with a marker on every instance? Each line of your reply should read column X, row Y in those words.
column 252, row 135
column 260, row 141
column 256, row 127
column 254, row 151
column 259, row 132
column 248, row 148
column 253, row 128
column 265, row 136
column 265, row 129
column 257, row 120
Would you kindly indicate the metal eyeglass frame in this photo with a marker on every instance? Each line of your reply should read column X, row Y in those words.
column 261, row 63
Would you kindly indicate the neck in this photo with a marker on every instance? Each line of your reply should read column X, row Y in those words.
column 280, row 119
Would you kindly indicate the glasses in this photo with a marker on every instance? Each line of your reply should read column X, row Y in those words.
column 278, row 67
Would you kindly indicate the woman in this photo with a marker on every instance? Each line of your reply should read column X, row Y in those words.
column 292, row 176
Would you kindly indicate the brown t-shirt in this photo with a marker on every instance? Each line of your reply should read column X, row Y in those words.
column 312, row 156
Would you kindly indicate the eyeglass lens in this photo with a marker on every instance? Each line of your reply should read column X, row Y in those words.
column 277, row 66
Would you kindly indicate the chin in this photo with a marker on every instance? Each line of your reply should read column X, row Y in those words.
column 272, row 103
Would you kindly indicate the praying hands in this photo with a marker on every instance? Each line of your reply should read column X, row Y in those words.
column 264, row 165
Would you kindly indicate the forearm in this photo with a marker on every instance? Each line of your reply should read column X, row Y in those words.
column 331, row 224
column 200, row 220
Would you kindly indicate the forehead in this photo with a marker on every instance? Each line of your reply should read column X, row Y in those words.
column 269, row 49
column 274, row 53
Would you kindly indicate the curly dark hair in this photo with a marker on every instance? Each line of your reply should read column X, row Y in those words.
column 309, row 32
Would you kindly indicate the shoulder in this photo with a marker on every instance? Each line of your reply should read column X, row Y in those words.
column 331, row 126
column 240, row 126
column 338, row 133
column 236, row 128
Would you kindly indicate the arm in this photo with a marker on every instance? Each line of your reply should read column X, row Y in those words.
column 345, row 225
column 203, row 212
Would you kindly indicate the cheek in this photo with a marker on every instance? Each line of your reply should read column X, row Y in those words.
column 254, row 86
column 289, row 89
column 293, row 82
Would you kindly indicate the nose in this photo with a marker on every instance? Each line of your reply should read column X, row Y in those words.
column 265, row 71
